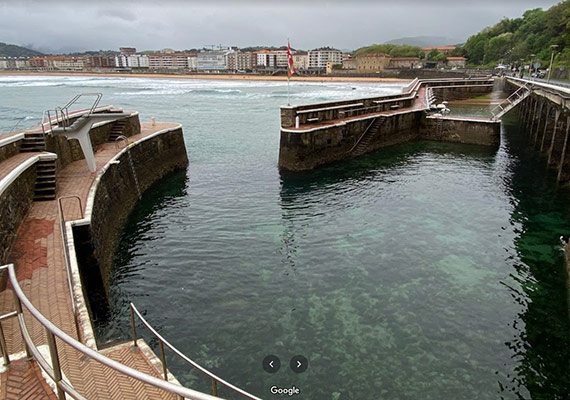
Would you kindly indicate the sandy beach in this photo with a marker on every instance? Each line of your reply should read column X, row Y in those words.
column 230, row 77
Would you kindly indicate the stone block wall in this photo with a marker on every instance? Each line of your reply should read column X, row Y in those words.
column 116, row 192
column 305, row 150
column 461, row 92
column 16, row 201
column 468, row 131
column 10, row 149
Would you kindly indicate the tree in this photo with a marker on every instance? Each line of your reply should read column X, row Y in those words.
column 436, row 55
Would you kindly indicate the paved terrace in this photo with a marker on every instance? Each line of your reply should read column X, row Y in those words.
column 38, row 255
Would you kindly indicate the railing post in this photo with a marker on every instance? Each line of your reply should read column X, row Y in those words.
column 133, row 327
column 18, row 306
column 55, row 364
column 163, row 359
column 4, row 347
column 214, row 387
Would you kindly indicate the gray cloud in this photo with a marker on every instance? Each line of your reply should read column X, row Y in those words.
column 55, row 25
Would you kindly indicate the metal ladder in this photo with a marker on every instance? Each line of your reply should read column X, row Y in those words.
column 512, row 101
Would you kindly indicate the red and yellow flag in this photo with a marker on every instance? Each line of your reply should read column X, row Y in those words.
column 291, row 69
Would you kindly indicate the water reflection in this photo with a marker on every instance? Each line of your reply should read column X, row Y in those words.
column 541, row 345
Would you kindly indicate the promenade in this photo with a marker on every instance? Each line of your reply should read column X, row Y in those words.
column 39, row 257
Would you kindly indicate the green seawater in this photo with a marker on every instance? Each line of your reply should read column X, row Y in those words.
column 422, row 271
column 426, row 270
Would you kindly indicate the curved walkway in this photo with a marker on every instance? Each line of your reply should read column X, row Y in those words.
column 38, row 256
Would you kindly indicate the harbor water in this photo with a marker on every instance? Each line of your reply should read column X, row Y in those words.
column 425, row 270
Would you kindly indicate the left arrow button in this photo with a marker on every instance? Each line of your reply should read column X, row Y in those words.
column 271, row 364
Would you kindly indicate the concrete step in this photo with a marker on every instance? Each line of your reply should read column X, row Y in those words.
column 46, row 181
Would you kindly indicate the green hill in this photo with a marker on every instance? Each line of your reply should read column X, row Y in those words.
column 392, row 49
column 12, row 50
column 525, row 39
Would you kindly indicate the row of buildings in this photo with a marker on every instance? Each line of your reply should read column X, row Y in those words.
column 228, row 59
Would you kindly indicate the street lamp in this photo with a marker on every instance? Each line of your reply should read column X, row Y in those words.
column 532, row 64
column 553, row 47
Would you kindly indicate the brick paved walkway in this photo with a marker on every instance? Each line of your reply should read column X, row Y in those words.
column 38, row 256
column 24, row 381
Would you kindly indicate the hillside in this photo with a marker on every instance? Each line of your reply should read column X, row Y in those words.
column 525, row 39
column 392, row 49
column 12, row 50
column 425, row 41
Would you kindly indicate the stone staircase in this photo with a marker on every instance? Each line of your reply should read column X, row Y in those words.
column 45, row 188
column 33, row 141
column 117, row 129
column 361, row 146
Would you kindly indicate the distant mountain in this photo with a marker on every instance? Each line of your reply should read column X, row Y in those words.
column 424, row 41
column 12, row 50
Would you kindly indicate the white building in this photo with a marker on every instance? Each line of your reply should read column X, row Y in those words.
column 193, row 63
column 212, row 60
column 301, row 60
column 14, row 63
column 132, row 61
column 272, row 59
column 318, row 58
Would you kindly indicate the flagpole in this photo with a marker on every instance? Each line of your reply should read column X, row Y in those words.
column 288, row 81
column 288, row 72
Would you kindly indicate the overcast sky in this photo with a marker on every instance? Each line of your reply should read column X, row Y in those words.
column 77, row 26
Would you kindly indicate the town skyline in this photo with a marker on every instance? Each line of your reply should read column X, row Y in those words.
column 70, row 27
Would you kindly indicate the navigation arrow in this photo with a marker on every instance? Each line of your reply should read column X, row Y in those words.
column 299, row 364
column 271, row 364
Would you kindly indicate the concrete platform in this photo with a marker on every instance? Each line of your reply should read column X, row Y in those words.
column 38, row 255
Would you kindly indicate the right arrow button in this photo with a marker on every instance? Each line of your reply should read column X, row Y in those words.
column 299, row 364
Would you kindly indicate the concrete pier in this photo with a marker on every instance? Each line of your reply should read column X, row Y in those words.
column 36, row 244
column 321, row 133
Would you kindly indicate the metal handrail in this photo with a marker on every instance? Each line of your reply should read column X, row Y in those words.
column 64, row 111
column 66, row 247
column 121, row 137
column 162, row 341
column 517, row 93
column 93, row 107
column 54, row 371
column 364, row 134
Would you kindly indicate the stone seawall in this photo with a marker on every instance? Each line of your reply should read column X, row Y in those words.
column 16, row 200
column 301, row 150
column 10, row 146
column 446, row 93
column 462, row 130
column 116, row 191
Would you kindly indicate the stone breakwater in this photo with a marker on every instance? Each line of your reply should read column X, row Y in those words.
column 116, row 192
column 317, row 134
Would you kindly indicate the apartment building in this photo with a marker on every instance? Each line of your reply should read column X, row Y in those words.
column 240, row 61
column 318, row 58
column 212, row 60
column 170, row 60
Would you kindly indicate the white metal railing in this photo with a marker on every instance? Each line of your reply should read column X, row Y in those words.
column 515, row 98
column 66, row 251
column 162, row 341
column 61, row 114
column 53, row 369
